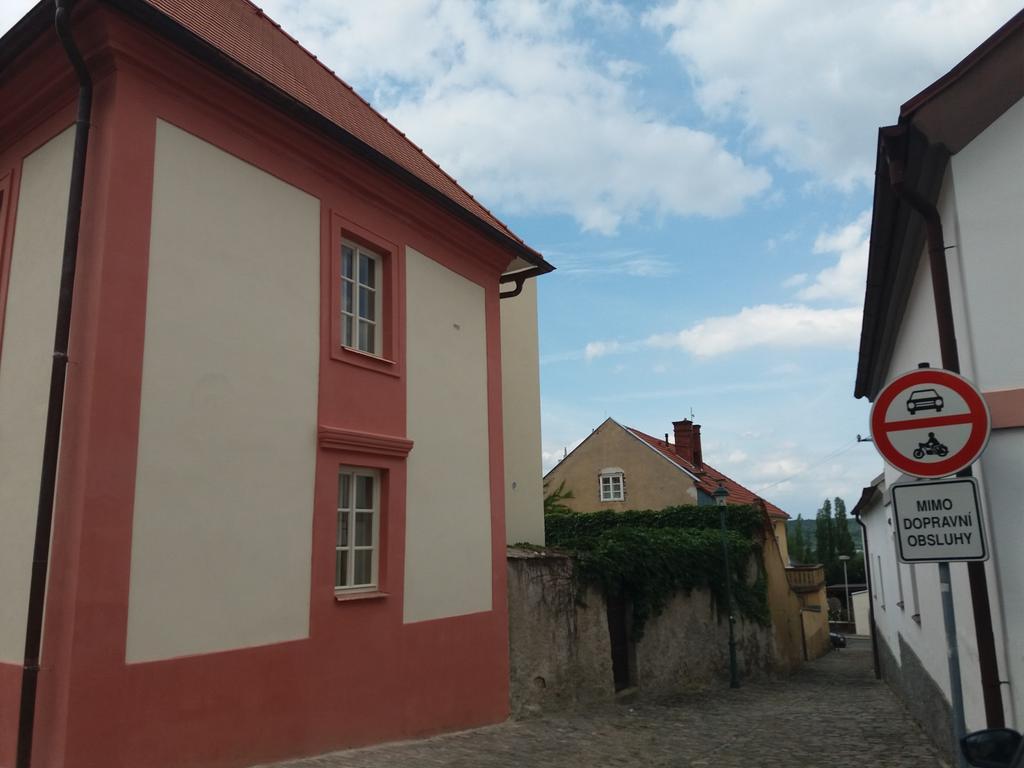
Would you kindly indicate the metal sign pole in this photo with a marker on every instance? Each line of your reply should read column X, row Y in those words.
column 956, row 694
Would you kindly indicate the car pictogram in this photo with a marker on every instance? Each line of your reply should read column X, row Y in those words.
column 924, row 400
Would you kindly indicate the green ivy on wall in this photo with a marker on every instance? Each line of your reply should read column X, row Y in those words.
column 647, row 556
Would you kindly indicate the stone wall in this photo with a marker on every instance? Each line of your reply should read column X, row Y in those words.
column 560, row 652
column 687, row 647
column 920, row 694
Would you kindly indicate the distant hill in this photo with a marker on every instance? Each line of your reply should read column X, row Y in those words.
column 808, row 525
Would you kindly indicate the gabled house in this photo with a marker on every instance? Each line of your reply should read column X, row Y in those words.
column 618, row 467
column 943, row 287
column 276, row 471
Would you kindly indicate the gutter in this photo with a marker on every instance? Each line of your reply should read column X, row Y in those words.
column 55, row 408
column 894, row 140
column 866, row 497
column 519, row 278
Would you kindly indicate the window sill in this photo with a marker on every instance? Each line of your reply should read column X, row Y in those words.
column 343, row 596
column 371, row 362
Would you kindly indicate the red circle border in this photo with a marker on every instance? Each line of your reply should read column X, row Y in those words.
column 976, row 405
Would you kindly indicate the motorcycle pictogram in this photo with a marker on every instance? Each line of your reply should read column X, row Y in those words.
column 931, row 447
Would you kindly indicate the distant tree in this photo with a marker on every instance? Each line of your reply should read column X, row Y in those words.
column 841, row 527
column 798, row 547
column 553, row 501
column 824, row 535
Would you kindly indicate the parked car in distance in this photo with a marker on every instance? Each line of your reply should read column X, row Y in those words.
column 924, row 400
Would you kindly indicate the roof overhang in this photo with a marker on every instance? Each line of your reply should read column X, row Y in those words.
column 40, row 18
column 936, row 123
column 650, row 447
column 897, row 241
column 868, row 496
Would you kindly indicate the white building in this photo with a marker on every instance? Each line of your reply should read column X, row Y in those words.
column 957, row 153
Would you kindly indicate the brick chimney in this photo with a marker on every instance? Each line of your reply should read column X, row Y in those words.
column 687, row 435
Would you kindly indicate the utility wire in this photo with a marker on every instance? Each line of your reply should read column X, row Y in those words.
column 828, row 457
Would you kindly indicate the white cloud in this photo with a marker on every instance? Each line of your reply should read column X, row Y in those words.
column 628, row 262
column 526, row 114
column 794, row 281
column 736, row 457
column 595, row 349
column 778, row 468
column 845, row 280
column 765, row 325
column 813, row 81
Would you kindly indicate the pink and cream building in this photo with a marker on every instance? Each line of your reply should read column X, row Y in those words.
column 299, row 423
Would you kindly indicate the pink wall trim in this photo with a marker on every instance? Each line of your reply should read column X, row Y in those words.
column 1006, row 407
column 367, row 442
column 260, row 704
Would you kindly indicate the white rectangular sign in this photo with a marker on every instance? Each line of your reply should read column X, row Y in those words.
column 938, row 521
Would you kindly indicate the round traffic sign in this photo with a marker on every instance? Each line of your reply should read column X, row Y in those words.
column 930, row 423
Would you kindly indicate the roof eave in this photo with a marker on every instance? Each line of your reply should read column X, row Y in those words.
column 28, row 29
column 868, row 496
column 939, row 121
column 896, row 243
column 650, row 447
column 966, row 67
column 34, row 23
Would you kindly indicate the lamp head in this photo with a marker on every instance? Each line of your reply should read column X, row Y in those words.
column 720, row 494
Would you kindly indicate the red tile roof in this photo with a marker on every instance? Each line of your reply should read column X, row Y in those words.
column 707, row 476
column 241, row 30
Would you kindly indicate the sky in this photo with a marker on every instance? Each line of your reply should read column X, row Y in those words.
column 699, row 171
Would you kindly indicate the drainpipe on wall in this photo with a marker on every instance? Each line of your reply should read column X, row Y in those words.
column 871, row 599
column 519, row 278
column 894, row 141
column 55, row 409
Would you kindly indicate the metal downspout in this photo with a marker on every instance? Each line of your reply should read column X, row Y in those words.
column 871, row 595
column 519, row 278
column 55, row 409
column 895, row 144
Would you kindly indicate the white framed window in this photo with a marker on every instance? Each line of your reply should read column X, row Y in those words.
column 358, row 541
column 613, row 484
column 361, row 300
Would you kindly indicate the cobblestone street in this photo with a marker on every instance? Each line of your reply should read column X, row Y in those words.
column 833, row 713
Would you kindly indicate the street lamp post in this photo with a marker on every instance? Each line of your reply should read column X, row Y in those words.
column 846, row 585
column 721, row 495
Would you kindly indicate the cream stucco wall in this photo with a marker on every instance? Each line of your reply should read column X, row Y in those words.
column 652, row 482
column 781, row 539
column 990, row 235
column 520, row 396
column 221, row 533
column 448, row 506
column 27, row 354
column 979, row 202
